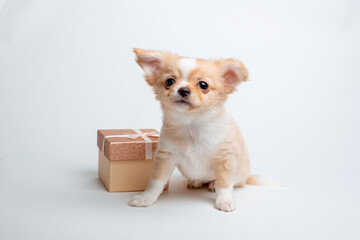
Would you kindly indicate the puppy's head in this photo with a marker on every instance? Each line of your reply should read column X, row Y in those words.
column 189, row 84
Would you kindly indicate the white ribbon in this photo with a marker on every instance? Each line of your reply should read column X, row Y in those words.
column 139, row 133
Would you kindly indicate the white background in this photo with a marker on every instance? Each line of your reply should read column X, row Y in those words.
column 67, row 69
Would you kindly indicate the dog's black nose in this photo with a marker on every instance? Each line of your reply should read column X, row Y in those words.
column 184, row 91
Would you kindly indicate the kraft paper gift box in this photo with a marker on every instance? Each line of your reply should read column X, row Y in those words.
column 126, row 158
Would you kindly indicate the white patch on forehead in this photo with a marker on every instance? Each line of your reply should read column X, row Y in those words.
column 186, row 66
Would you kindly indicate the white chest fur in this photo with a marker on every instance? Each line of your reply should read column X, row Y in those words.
column 196, row 143
column 194, row 161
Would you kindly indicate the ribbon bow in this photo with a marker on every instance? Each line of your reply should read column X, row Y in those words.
column 136, row 135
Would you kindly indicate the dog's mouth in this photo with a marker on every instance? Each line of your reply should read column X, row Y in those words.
column 183, row 102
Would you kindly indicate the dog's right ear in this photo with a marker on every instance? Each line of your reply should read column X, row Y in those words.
column 150, row 61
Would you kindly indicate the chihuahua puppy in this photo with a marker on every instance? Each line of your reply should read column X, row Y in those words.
column 198, row 136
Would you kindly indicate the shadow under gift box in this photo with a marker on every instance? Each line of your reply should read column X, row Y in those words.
column 126, row 158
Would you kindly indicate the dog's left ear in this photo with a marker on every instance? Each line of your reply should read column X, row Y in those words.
column 150, row 61
column 232, row 73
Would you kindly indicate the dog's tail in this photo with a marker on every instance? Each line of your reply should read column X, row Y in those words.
column 261, row 181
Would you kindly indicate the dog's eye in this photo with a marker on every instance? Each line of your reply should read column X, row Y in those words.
column 203, row 85
column 169, row 82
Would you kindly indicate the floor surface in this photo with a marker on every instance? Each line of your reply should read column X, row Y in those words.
column 69, row 202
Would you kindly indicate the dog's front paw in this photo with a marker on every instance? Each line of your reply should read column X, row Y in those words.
column 225, row 205
column 142, row 200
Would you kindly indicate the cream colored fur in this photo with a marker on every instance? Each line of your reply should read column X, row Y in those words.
column 198, row 137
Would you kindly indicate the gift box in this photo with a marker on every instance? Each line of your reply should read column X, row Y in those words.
column 126, row 158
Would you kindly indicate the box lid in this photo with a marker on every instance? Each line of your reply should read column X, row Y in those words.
column 128, row 144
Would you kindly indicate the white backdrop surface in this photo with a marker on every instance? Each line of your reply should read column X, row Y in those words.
column 67, row 69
